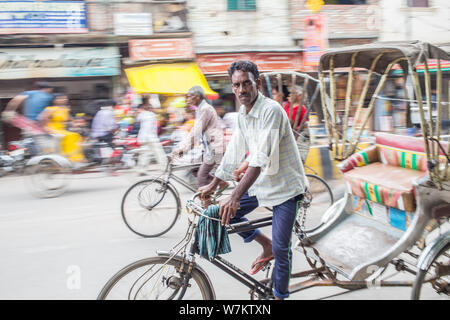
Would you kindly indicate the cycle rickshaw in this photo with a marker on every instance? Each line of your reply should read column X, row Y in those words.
column 402, row 181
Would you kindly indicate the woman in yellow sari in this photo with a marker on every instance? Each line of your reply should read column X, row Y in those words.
column 54, row 119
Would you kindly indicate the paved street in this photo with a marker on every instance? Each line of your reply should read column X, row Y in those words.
column 46, row 243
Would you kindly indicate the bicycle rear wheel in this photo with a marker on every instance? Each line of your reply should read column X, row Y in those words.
column 150, row 208
column 47, row 179
column 157, row 279
column 322, row 199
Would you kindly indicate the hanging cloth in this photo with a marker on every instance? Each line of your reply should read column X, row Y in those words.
column 212, row 236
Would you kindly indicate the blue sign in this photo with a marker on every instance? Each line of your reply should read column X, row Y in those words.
column 43, row 17
column 59, row 63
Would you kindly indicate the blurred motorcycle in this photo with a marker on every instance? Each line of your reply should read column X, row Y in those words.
column 17, row 155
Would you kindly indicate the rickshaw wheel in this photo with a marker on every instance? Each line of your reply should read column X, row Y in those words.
column 47, row 179
column 437, row 275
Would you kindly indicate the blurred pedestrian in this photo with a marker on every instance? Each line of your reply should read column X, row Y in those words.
column 280, row 97
column 80, row 125
column 220, row 109
column 206, row 130
column 54, row 119
column 189, row 119
column 148, row 137
column 295, row 98
column 34, row 101
column 104, row 123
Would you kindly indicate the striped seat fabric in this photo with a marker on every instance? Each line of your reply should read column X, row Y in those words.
column 384, row 173
column 382, row 183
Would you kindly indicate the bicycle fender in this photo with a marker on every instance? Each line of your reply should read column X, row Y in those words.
column 60, row 160
column 170, row 185
column 161, row 253
column 431, row 250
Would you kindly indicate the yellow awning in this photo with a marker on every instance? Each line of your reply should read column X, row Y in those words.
column 175, row 78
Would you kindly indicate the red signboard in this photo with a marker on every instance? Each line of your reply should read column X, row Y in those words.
column 266, row 61
column 218, row 63
column 161, row 49
column 274, row 61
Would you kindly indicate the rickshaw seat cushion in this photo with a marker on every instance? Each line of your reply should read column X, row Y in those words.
column 385, row 172
column 360, row 159
column 386, row 184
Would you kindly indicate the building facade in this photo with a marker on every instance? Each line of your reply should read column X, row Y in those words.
column 83, row 51
column 80, row 47
column 425, row 20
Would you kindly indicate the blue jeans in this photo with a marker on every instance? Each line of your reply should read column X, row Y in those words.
column 282, row 223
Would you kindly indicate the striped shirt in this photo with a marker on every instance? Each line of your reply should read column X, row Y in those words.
column 266, row 133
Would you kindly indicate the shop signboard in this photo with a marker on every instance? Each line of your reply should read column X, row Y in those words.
column 278, row 61
column 217, row 62
column 18, row 17
column 180, row 48
column 133, row 24
column 267, row 61
column 63, row 62
column 315, row 41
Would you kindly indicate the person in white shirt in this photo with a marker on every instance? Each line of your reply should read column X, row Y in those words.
column 104, row 123
column 148, row 138
column 275, row 175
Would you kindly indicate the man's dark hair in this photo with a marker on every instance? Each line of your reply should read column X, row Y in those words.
column 244, row 65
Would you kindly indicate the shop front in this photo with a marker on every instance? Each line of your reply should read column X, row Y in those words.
column 83, row 73
column 164, row 69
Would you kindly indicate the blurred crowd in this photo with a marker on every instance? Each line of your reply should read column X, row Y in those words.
column 156, row 122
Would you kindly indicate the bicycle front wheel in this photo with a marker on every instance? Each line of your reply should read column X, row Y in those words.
column 150, row 208
column 157, row 278
column 322, row 199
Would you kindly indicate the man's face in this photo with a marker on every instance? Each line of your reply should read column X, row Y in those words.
column 245, row 87
column 193, row 99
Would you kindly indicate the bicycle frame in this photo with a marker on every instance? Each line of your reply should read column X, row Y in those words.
column 262, row 288
column 170, row 168
column 181, row 181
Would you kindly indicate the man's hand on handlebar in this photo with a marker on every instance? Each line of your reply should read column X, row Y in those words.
column 228, row 208
column 207, row 191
